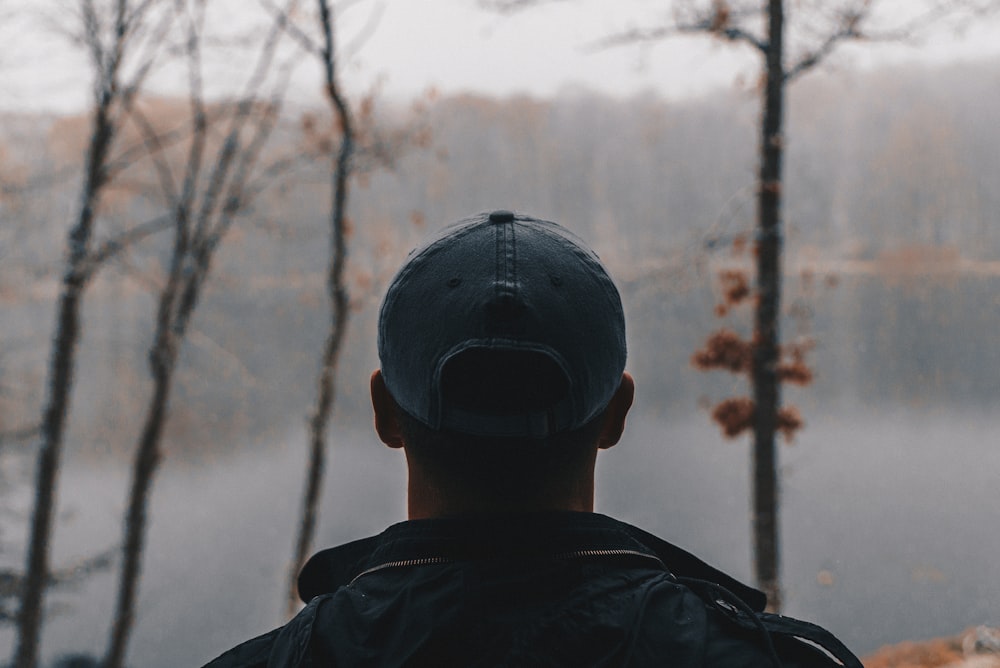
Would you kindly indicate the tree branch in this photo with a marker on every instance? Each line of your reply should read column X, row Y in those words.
column 266, row 176
column 367, row 30
column 512, row 6
column 304, row 40
column 811, row 59
column 20, row 434
column 154, row 149
column 115, row 245
column 730, row 33
column 245, row 107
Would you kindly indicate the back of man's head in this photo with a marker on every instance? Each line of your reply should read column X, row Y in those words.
column 502, row 342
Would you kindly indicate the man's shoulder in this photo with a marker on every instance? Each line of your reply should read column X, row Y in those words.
column 667, row 600
column 253, row 653
column 285, row 647
column 696, row 625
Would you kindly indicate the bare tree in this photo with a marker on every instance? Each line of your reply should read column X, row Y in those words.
column 337, row 291
column 354, row 145
column 123, row 44
column 814, row 30
column 203, row 208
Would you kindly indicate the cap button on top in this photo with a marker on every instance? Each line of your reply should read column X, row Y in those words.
column 501, row 216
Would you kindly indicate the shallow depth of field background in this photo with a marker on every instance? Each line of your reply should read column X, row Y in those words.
column 890, row 493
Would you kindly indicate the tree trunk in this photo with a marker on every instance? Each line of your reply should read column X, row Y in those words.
column 146, row 461
column 766, row 390
column 60, row 387
column 339, row 309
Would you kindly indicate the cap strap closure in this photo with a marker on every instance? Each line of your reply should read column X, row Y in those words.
column 536, row 425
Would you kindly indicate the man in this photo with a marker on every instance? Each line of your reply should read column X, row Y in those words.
column 502, row 350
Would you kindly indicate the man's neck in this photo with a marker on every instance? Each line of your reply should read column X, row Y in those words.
column 427, row 500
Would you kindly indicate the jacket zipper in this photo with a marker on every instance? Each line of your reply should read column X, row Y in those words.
column 426, row 561
column 609, row 553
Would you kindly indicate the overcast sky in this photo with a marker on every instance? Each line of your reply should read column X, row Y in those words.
column 455, row 45
column 459, row 46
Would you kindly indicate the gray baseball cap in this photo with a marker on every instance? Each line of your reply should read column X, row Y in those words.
column 510, row 285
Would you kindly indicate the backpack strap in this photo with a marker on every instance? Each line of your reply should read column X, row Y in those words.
column 812, row 639
column 787, row 641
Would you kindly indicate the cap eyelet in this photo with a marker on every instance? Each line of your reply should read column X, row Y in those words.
column 502, row 216
column 556, row 280
column 454, row 282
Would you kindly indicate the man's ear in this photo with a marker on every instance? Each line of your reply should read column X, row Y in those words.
column 614, row 414
column 386, row 412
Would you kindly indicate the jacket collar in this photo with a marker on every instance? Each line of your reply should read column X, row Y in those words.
column 464, row 538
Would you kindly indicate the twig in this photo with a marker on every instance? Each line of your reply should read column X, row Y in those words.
column 20, row 434
column 111, row 247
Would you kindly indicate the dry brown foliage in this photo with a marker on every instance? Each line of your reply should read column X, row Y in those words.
column 771, row 187
column 379, row 141
column 734, row 415
column 930, row 654
column 789, row 421
column 724, row 349
column 727, row 350
column 735, row 289
column 316, row 140
column 720, row 16
column 795, row 370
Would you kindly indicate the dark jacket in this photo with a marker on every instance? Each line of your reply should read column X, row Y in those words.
column 561, row 589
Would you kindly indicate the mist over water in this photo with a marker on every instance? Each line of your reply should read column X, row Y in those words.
column 886, row 515
column 886, row 526
column 221, row 537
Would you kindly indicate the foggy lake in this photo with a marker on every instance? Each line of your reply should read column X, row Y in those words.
column 888, row 525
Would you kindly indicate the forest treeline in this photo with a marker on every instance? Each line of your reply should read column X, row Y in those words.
column 893, row 233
